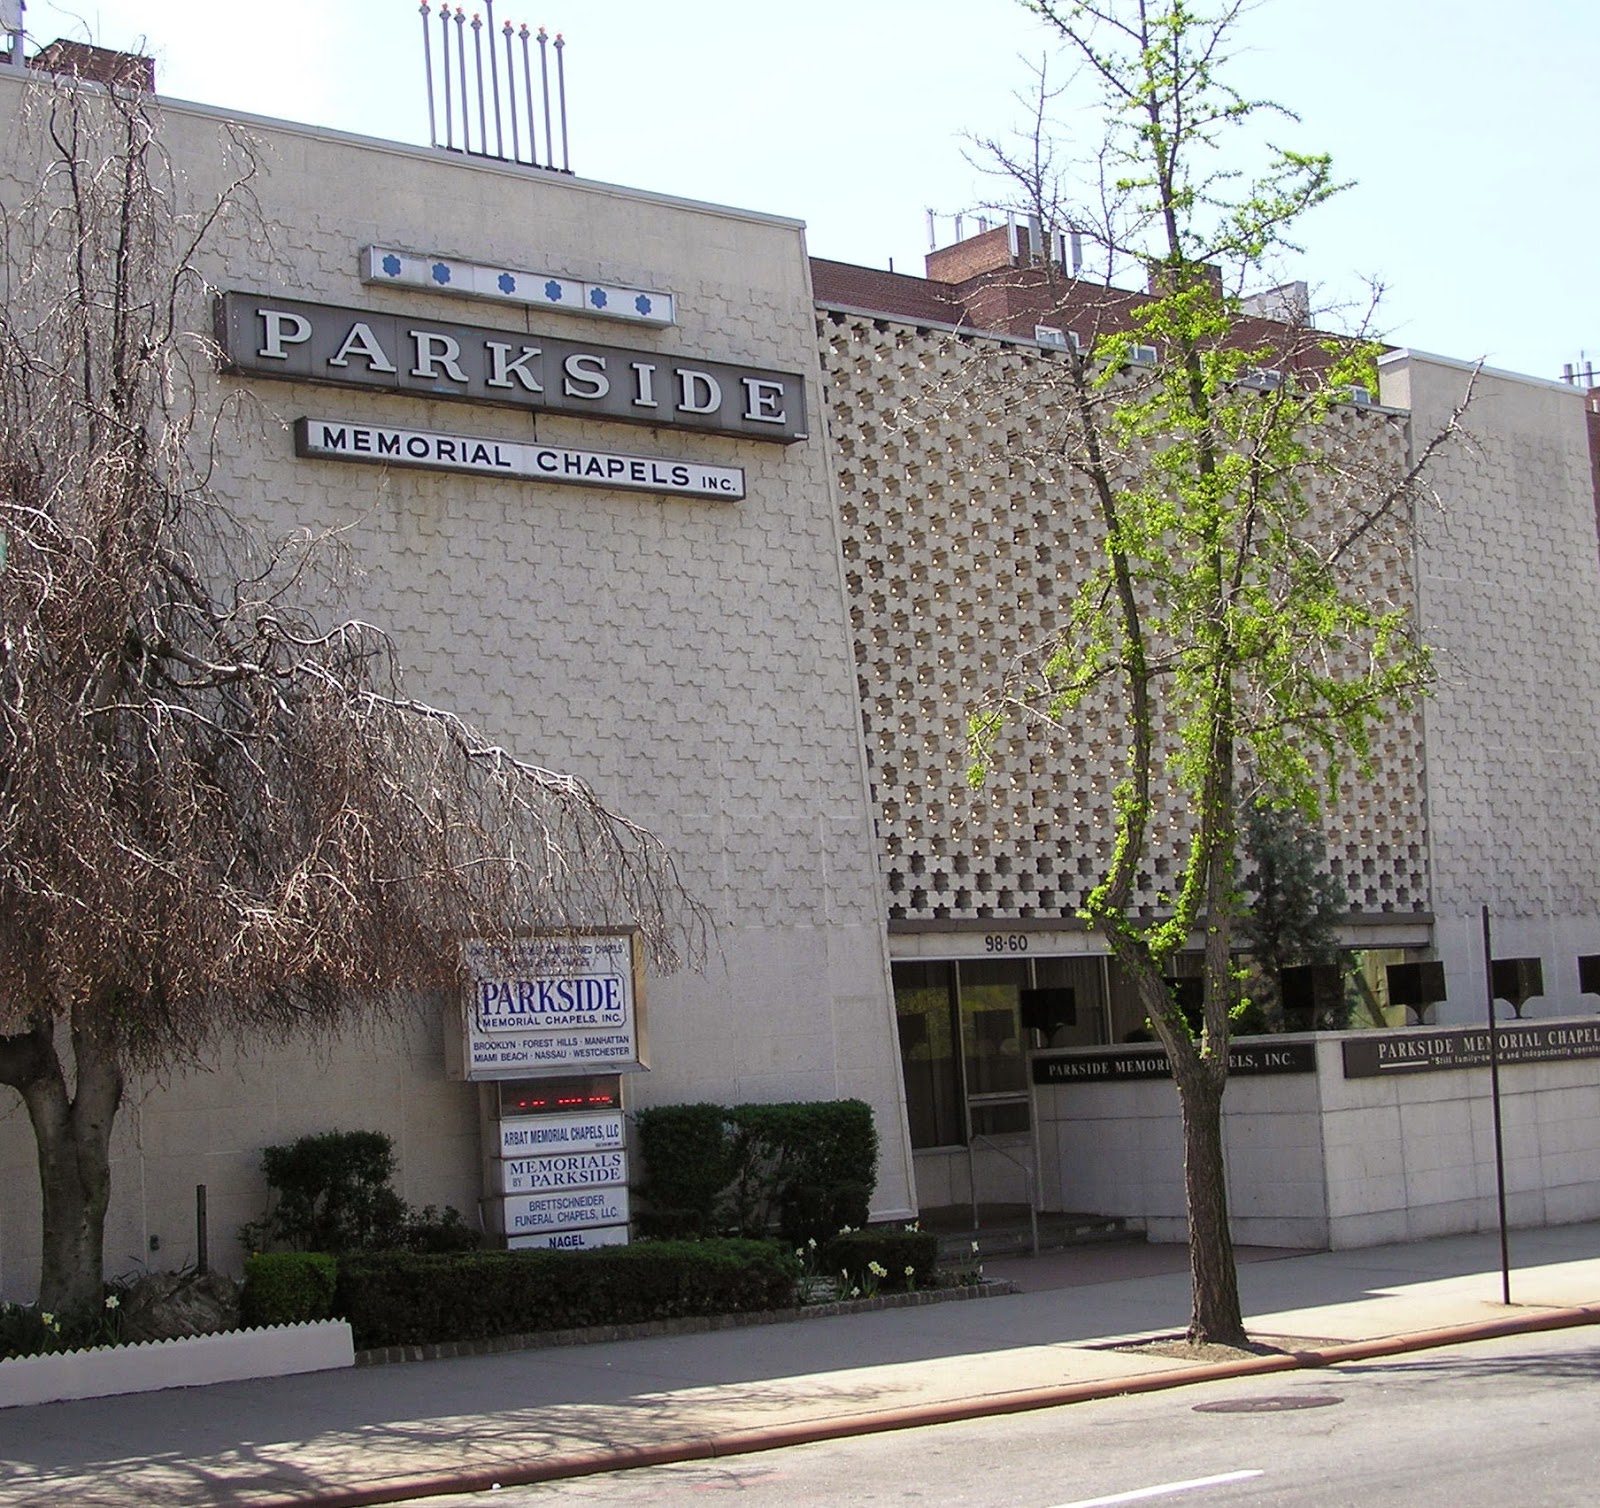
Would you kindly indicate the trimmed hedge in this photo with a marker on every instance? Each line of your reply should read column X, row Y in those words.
column 402, row 1298
column 288, row 1288
column 803, row 1168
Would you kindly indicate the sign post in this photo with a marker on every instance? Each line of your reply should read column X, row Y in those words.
column 1494, row 1101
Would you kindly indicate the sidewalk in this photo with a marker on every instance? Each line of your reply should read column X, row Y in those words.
column 379, row 1433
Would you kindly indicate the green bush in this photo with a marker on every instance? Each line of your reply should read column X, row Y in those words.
column 332, row 1194
column 403, row 1298
column 802, row 1168
column 288, row 1288
column 892, row 1248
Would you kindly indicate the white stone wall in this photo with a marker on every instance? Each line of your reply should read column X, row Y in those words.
column 691, row 659
column 1318, row 1160
column 1509, row 591
column 1117, row 1149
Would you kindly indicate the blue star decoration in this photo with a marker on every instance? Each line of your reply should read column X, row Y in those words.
column 597, row 297
column 391, row 265
column 552, row 291
column 643, row 304
column 441, row 273
column 507, row 283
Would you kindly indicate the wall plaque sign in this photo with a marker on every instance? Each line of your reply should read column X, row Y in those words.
column 1120, row 1065
column 430, row 358
column 484, row 455
column 1382, row 1053
column 528, row 1135
column 531, row 1214
column 388, row 266
column 566, row 1170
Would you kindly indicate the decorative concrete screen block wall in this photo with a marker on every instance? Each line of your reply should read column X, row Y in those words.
column 1321, row 1160
column 688, row 657
column 965, row 543
column 1510, row 598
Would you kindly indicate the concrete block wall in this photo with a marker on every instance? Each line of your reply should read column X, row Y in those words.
column 1508, row 583
column 691, row 659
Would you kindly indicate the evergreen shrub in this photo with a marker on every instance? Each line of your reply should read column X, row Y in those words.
column 802, row 1168
column 288, row 1288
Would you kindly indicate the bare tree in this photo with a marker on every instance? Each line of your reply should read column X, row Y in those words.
column 1233, row 621
column 217, row 815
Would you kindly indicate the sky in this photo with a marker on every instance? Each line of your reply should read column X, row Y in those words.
column 1465, row 125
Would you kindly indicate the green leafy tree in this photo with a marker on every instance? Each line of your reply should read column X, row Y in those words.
column 1230, row 618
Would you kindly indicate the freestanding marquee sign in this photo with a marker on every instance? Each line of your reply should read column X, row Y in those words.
column 548, row 1027
column 552, row 1006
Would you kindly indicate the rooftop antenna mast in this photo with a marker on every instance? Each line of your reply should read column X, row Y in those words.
column 472, row 98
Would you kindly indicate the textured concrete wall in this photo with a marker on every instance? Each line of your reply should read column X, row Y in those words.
column 1509, row 591
column 691, row 659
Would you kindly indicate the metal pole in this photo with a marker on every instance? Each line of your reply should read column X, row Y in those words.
column 444, row 68
column 527, row 96
column 494, row 82
column 561, row 84
column 511, row 99
column 427, row 64
column 477, row 61
column 544, row 79
column 1494, row 1100
column 202, row 1245
column 461, row 68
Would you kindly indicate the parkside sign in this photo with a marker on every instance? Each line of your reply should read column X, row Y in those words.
column 378, row 445
column 554, row 1007
column 428, row 358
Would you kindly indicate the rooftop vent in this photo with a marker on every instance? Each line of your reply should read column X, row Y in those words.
column 481, row 89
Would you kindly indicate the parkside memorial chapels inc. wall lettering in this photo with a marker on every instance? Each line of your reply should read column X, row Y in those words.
column 1378, row 1054
column 1119, row 1065
column 428, row 358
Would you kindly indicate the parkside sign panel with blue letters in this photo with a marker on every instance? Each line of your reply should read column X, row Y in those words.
column 553, row 1007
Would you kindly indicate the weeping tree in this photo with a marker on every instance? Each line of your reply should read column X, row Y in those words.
column 220, row 815
column 1234, row 620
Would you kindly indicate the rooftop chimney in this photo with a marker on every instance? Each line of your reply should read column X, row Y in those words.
column 98, row 65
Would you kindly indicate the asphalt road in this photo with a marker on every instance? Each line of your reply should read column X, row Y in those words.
column 1493, row 1423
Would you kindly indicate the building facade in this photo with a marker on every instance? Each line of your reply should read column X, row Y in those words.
column 742, row 558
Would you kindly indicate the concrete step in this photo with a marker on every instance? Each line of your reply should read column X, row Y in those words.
column 1003, row 1232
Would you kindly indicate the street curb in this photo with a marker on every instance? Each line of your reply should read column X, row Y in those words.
column 748, row 1442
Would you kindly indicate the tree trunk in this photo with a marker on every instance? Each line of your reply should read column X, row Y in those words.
column 72, row 1131
column 1215, row 1314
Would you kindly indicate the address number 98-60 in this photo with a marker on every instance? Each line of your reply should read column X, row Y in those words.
column 1005, row 942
